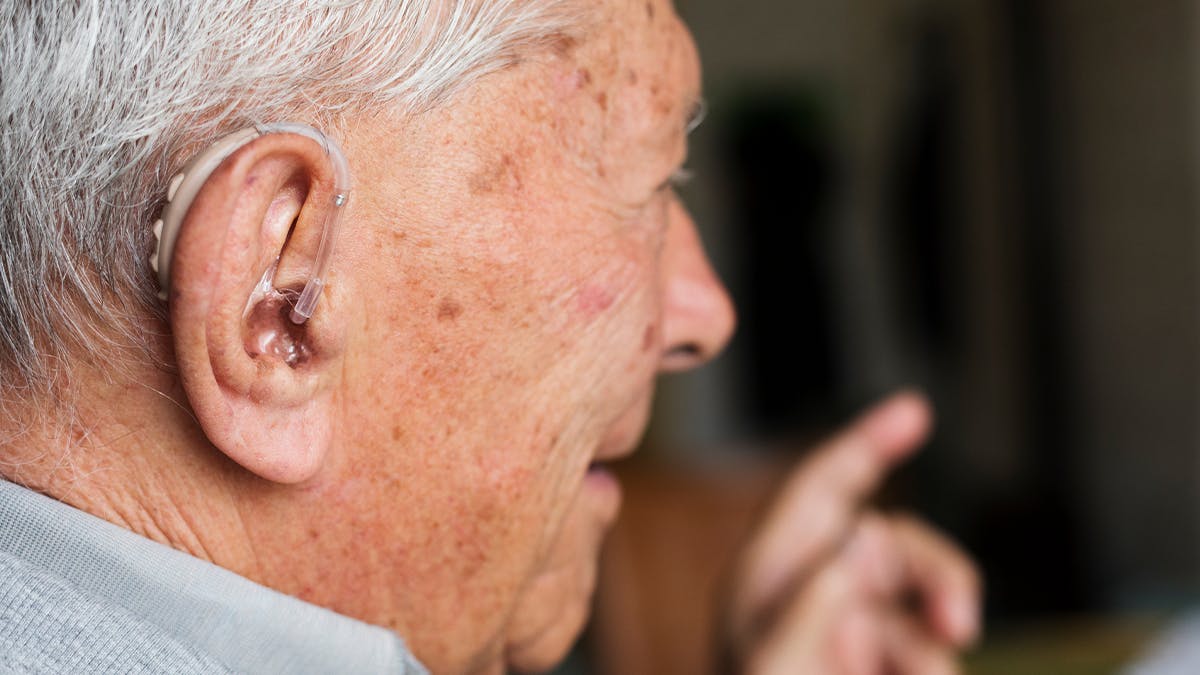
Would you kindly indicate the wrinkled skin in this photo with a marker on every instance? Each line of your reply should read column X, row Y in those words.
column 515, row 272
column 521, row 273
column 512, row 272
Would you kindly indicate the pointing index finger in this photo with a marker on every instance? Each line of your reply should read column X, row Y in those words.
column 819, row 501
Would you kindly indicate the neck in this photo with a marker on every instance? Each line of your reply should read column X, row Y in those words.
column 137, row 460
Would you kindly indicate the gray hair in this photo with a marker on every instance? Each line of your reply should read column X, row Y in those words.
column 99, row 99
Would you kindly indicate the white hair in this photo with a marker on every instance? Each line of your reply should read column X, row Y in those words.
column 99, row 99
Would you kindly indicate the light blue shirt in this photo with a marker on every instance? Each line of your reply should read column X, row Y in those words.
column 79, row 592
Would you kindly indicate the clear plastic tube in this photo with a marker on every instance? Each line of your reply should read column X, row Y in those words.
column 186, row 185
column 306, row 304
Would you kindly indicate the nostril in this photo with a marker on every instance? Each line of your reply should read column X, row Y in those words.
column 683, row 356
column 687, row 350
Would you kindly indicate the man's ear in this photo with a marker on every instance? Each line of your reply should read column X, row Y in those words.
column 261, row 386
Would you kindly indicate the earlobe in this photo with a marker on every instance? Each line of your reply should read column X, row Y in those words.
column 260, row 383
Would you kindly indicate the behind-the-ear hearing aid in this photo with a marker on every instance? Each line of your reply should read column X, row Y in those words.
column 184, row 187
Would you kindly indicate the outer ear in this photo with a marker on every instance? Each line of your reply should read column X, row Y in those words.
column 261, row 386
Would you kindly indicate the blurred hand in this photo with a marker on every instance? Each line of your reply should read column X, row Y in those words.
column 824, row 587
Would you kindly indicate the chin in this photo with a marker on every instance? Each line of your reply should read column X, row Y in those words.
column 550, row 647
column 554, row 607
column 550, row 616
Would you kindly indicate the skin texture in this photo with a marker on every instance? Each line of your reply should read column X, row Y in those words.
column 512, row 273
column 509, row 335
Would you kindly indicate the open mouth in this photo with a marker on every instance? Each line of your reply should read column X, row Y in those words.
column 601, row 472
column 602, row 490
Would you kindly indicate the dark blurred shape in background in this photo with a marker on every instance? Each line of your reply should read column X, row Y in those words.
column 780, row 160
column 994, row 200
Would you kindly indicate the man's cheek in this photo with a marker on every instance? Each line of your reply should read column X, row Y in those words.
column 614, row 311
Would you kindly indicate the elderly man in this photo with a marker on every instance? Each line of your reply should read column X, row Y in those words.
column 213, row 482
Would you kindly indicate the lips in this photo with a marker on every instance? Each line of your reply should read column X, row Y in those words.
column 622, row 441
column 603, row 494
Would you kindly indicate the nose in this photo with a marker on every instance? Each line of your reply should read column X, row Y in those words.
column 698, row 316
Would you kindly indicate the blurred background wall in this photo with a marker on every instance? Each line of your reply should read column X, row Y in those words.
column 993, row 200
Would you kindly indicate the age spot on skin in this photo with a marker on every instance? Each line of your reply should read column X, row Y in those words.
column 649, row 337
column 501, row 175
column 449, row 310
column 572, row 82
column 591, row 300
column 563, row 45
column 650, row 11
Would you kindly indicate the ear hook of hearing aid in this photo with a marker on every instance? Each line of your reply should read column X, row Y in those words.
column 184, row 187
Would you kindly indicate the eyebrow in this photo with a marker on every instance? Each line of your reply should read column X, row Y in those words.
column 696, row 114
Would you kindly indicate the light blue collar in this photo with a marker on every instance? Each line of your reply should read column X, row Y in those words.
column 249, row 627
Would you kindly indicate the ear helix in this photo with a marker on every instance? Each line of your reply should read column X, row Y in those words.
column 184, row 187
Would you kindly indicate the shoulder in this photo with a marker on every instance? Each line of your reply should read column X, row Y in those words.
column 49, row 626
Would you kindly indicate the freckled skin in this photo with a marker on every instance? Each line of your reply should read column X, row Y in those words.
column 457, row 487
column 449, row 310
column 510, row 276
column 502, row 175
